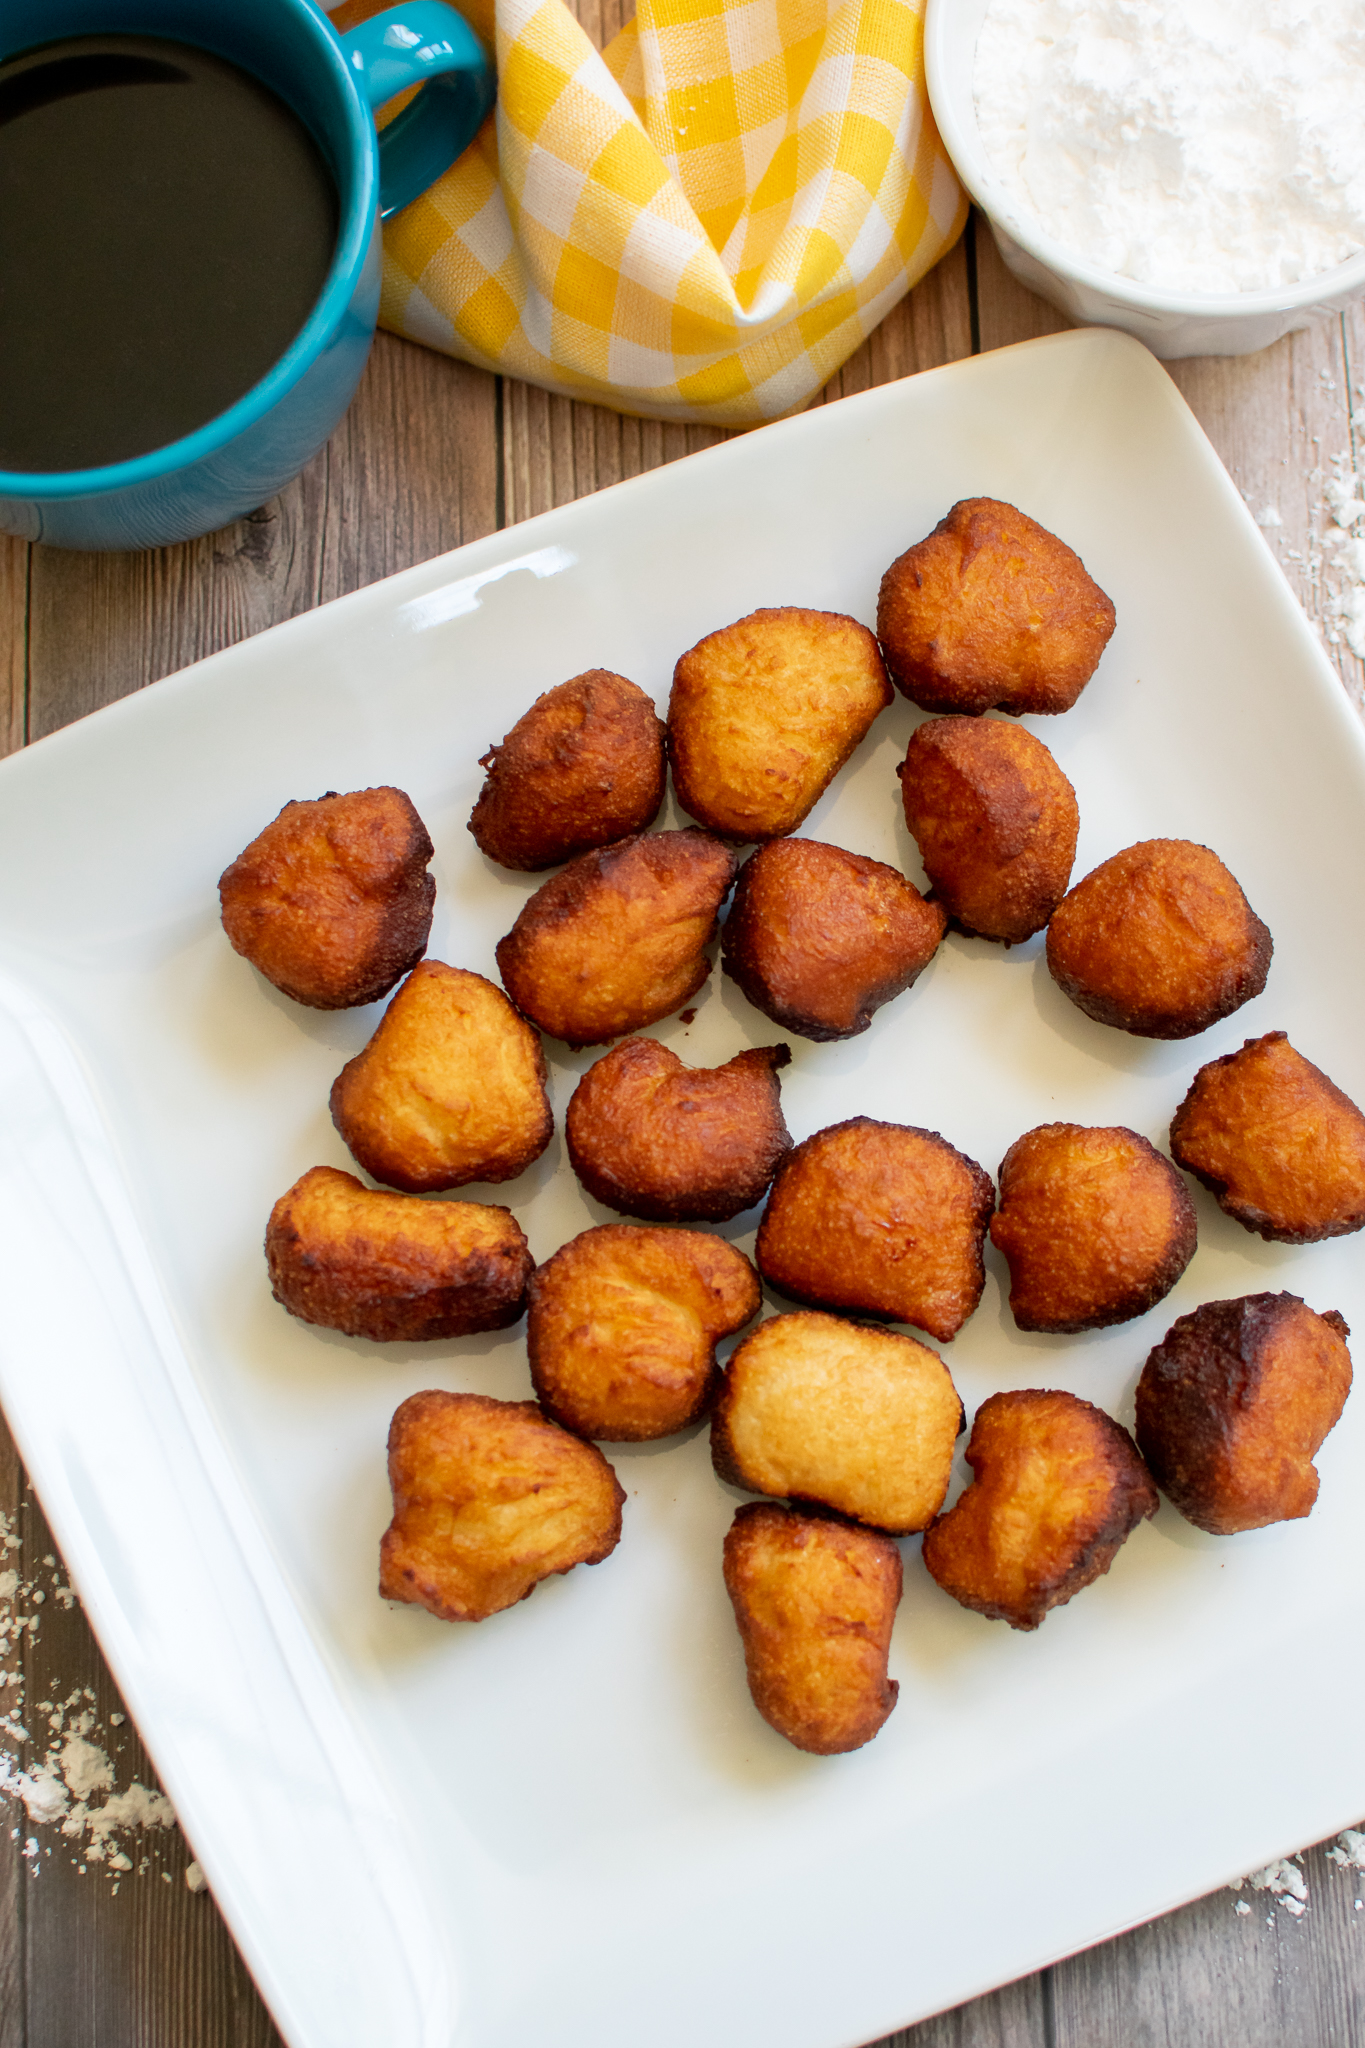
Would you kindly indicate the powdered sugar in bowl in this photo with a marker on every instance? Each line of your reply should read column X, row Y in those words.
column 1127, row 154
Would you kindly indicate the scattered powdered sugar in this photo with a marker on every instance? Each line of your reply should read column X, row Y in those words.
column 1333, row 567
column 1196, row 145
column 53, row 1763
column 1348, row 1852
column 1286, row 1881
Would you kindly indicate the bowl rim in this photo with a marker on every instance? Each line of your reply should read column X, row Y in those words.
column 947, row 97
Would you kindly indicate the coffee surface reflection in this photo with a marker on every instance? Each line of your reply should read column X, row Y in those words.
column 166, row 226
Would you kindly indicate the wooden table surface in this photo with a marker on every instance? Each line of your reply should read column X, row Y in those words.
column 433, row 454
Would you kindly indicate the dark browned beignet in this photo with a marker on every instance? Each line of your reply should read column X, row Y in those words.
column 991, row 609
column 489, row 1498
column 995, row 821
column 764, row 713
column 1233, row 1405
column 623, row 1324
column 1278, row 1143
column 855, row 1419
column 618, row 938
column 814, row 1601
column 880, row 1218
column 332, row 902
column 1159, row 941
column 819, row 939
column 1057, row 1489
column 450, row 1089
column 1096, row 1226
column 582, row 767
column 650, row 1137
column 391, row 1267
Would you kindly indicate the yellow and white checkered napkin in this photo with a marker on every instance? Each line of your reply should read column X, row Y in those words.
column 701, row 223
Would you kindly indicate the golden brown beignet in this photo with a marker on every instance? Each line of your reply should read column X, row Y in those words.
column 995, row 821
column 1096, row 1226
column 450, row 1089
column 1159, row 941
column 1233, row 1405
column 991, row 609
column 764, row 714
column 489, row 1498
column 819, row 939
column 860, row 1420
column 650, row 1137
column 623, row 1324
column 814, row 1601
column 332, row 902
column 880, row 1218
column 618, row 939
column 582, row 767
column 1057, row 1489
column 1278, row 1143
column 390, row 1267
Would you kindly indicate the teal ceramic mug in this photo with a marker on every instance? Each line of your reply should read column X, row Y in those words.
column 333, row 84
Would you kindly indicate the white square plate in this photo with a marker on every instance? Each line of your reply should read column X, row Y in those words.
column 568, row 1825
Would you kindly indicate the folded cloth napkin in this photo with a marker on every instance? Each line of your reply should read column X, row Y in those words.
column 702, row 222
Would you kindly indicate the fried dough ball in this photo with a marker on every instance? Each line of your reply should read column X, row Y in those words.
column 1057, row 1489
column 764, row 714
column 814, row 1601
column 1233, row 1405
column 332, row 902
column 450, row 1089
column 1096, row 1226
column 1277, row 1142
column 1159, row 941
column 818, row 939
column 390, row 1267
column 991, row 609
column 582, row 767
column 489, row 1498
column 995, row 821
column 862, row 1421
column 882, row 1218
column 618, row 939
column 623, row 1325
column 650, row 1137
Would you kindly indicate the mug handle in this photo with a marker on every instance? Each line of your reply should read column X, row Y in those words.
column 422, row 43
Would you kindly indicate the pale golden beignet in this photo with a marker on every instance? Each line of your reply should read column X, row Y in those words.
column 995, row 821
column 764, row 714
column 991, row 609
column 332, row 902
column 813, row 1408
column 1278, row 1143
column 1159, row 941
column 651, row 1137
column 819, row 939
column 882, row 1218
column 1096, row 1226
column 618, row 939
column 489, row 1498
column 450, row 1089
column 582, row 767
column 1058, row 1488
column 815, row 1601
column 1233, row 1405
column 622, row 1328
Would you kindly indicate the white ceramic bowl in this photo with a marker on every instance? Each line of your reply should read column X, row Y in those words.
column 1171, row 323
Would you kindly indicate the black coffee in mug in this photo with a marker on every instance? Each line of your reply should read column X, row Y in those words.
column 166, row 226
